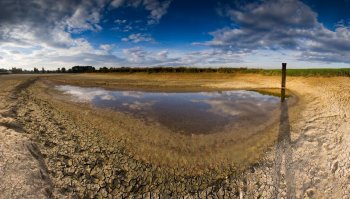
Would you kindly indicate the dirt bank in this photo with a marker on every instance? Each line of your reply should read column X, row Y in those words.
column 22, row 170
column 308, row 157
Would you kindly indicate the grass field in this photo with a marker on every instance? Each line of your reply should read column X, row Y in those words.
column 327, row 72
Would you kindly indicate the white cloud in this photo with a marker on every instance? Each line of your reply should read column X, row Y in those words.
column 84, row 19
column 280, row 25
column 138, row 56
column 266, row 32
column 86, row 94
column 156, row 8
column 117, row 3
column 134, row 94
column 106, row 48
column 138, row 37
column 42, row 34
column 39, row 23
column 120, row 21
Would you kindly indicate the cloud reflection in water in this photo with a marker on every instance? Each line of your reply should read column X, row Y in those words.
column 190, row 112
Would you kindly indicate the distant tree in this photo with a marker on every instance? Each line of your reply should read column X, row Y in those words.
column 58, row 70
column 104, row 69
column 16, row 70
column 36, row 70
column 82, row 69
column 182, row 69
column 63, row 70
column 43, row 70
column 3, row 71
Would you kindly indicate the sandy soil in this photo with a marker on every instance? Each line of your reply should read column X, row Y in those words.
column 310, row 157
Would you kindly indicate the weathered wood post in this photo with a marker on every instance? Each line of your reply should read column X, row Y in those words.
column 283, row 87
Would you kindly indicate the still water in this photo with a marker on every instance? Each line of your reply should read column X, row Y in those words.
column 184, row 112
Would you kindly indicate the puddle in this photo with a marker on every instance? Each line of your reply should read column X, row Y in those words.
column 187, row 112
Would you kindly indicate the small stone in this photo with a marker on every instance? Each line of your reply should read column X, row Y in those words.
column 334, row 167
column 310, row 193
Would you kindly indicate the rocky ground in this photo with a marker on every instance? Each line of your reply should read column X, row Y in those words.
column 55, row 152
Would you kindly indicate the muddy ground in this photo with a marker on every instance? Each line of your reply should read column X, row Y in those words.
column 64, row 150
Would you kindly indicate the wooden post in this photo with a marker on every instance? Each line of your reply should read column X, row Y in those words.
column 283, row 87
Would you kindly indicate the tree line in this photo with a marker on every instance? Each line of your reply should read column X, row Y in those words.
column 172, row 70
column 91, row 69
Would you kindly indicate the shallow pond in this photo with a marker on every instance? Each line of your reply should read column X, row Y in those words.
column 185, row 112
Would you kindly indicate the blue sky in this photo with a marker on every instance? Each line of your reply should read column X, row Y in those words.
column 143, row 33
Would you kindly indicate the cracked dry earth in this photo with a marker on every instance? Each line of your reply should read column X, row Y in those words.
column 44, row 153
column 22, row 172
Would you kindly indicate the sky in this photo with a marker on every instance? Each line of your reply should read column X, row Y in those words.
column 200, row 33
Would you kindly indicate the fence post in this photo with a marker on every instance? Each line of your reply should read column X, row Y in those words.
column 283, row 87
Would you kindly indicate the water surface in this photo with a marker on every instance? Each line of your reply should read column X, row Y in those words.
column 185, row 112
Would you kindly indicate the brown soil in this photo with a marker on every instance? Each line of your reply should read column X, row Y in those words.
column 23, row 172
column 93, row 153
